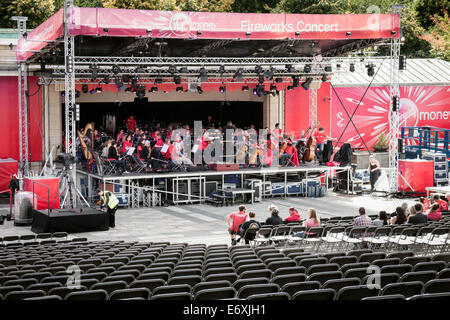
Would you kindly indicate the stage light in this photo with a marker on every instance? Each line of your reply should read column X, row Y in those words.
column 98, row 89
column 393, row 32
column 140, row 92
column 128, row 89
column 338, row 66
column 295, row 82
column 63, row 93
column 116, row 69
column 290, row 87
column 203, row 75
column 395, row 103
column 307, row 68
column 324, row 78
column 269, row 74
column 154, row 89
column 255, row 92
column 85, row 88
column 297, row 33
column 352, row 67
column 158, row 80
column 172, row 69
column 273, row 87
column 177, row 79
column 184, row 70
column 222, row 69
column 307, row 84
column 180, row 89
column 402, row 63
column 125, row 78
column 94, row 71
column 245, row 88
column 370, row 70
column 290, row 68
column 92, row 91
column 134, row 83
column 261, row 78
column 139, row 69
column 199, row 32
column 278, row 80
column 222, row 89
column 258, row 69
column 248, row 34
column 118, row 83
column 199, row 89
column 328, row 69
column 260, row 90
column 348, row 33
column 238, row 75
column 106, row 79
column 105, row 30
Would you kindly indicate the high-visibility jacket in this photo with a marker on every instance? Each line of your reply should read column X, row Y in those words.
column 110, row 200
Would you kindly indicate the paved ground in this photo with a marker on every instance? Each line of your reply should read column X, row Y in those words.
column 207, row 224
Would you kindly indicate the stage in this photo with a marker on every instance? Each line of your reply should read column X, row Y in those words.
column 132, row 185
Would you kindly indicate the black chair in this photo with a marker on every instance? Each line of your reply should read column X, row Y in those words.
column 338, row 284
column 130, row 293
column 238, row 284
column 20, row 295
column 60, row 279
column 423, row 276
column 294, row 287
column 370, row 257
column 21, row 282
column 175, row 288
column 212, row 271
column 150, row 284
column 385, row 278
column 444, row 274
column 386, row 262
column 327, row 267
column 443, row 296
column 323, row 277
column 356, row 273
column 288, row 270
column 407, row 289
column 252, row 289
column 189, row 280
column 278, row 296
column 437, row 286
column 433, row 265
column 356, row 292
column 358, row 252
column 250, row 267
column 215, row 294
column 94, row 275
column 317, row 295
column 442, row 257
column 393, row 297
column 87, row 295
column 308, row 262
column 231, row 277
column 62, row 292
column 401, row 254
column 4, row 279
column 46, row 287
column 349, row 266
column 172, row 296
column 400, row 269
column 4, row 290
column 210, row 285
column 44, row 298
column 163, row 275
column 263, row 273
column 415, row 260
column 109, row 287
column 289, row 278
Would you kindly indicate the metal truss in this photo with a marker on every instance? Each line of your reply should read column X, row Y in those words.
column 69, row 81
column 312, row 107
column 24, row 166
column 394, row 116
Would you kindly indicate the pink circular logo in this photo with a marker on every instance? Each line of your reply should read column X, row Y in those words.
column 180, row 24
column 409, row 114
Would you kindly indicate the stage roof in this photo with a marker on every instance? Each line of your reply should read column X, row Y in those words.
column 124, row 32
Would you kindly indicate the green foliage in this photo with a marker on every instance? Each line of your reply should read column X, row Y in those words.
column 258, row 6
column 427, row 9
column 37, row 11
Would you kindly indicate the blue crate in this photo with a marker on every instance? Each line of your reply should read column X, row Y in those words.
column 295, row 188
column 278, row 188
column 231, row 178
column 123, row 199
column 440, row 175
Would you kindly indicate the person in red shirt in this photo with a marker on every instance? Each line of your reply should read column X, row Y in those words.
column 234, row 221
column 443, row 204
column 131, row 123
column 435, row 212
column 320, row 137
column 293, row 215
column 126, row 144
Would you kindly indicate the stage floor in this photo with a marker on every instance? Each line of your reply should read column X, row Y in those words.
column 207, row 224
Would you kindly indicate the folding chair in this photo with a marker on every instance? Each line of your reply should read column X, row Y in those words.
column 262, row 236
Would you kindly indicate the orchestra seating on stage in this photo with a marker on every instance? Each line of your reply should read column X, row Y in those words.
column 35, row 267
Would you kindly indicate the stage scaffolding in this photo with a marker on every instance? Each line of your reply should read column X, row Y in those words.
column 79, row 67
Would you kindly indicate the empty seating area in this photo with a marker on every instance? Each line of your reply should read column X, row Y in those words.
column 117, row 270
column 338, row 234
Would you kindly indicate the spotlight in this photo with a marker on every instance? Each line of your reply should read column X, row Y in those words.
column 238, row 75
column 245, row 88
column 261, row 78
column 278, row 80
column 183, row 70
column 269, row 74
column 248, row 34
column 258, row 69
column 295, row 82
column 203, row 75
column 199, row 32
column 116, row 69
column 125, row 78
column 402, row 63
column 92, row 91
column 199, row 89
column 106, row 79
column 139, row 69
column 180, row 89
column 338, row 66
column 273, row 87
column 94, row 71
column 370, row 70
column 395, row 103
column 393, row 32
column 85, row 88
column 348, row 33
column 255, row 92
column 352, row 67
column 328, row 69
column 177, row 79
column 324, row 78
column 98, row 89
column 172, row 69
column 140, row 92
column 154, row 89
column 290, row 68
column 128, row 89
column 63, row 93
column 105, row 30
column 222, row 89
column 297, row 33
column 260, row 90
column 307, row 84
column 307, row 68
column 158, row 80
column 222, row 69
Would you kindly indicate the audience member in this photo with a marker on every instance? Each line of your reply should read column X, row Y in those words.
column 312, row 221
column 234, row 220
column 293, row 215
column 435, row 212
column 418, row 217
column 382, row 219
column 274, row 218
column 425, row 202
column 442, row 203
column 363, row 220
column 252, row 225
column 400, row 216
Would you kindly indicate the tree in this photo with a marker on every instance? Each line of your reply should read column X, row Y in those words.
column 428, row 9
column 263, row 6
column 37, row 11
column 438, row 36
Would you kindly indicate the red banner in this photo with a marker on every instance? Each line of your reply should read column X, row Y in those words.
column 419, row 106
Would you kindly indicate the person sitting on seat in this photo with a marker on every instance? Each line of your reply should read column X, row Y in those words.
column 252, row 225
column 447, row 199
column 274, row 218
column 312, row 221
column 382, row 219
column 114, row 157
column 293, row 215
column 425, row 202
column 234, row 220
column 443, row 204
column 435, row 212
column 419, row 217
column 400, row 216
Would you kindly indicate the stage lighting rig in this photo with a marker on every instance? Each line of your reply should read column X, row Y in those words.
column 258, row 69
column 106, row 79
column 238, row 75
column 222, row 89
column 370, row 70
column 352, row 67
column 94, row 71
column 307, row 68
column 172, row 69
column 245, row 88
column 222, row 69
column 116, row 69
column 154, row 89
column 269, row 73
column 159, row 80
column 290, row 68
column 139, row 69
column 307, row 83
column 85, row 88
column 180, row 89
column 295, row 82
column 261, row 78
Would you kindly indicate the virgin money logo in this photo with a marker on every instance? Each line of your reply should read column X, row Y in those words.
column 180, row 24
column 409, row 114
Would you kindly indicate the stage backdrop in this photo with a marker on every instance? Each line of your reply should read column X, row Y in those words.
column 419, row 106
column 9, row 119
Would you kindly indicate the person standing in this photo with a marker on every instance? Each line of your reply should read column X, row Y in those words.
column 109, row 200
column 320, row 137
column 234, row 220
column 374, row 170
column 131, row 124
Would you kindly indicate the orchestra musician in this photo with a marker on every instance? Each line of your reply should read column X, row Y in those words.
column 131, row 124
column 286, row 151
column 321, row 137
